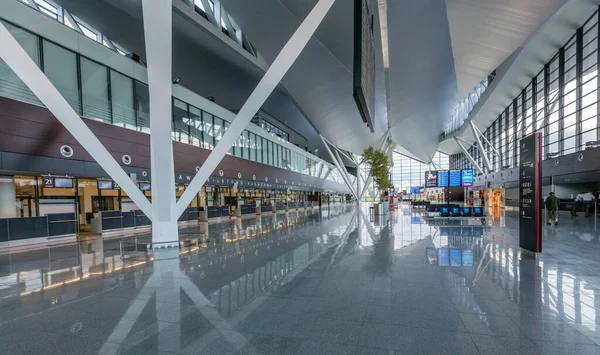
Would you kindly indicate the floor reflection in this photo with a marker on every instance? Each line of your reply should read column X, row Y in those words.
column 336, row 280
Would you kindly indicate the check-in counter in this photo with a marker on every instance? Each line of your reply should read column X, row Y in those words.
column 55, row 228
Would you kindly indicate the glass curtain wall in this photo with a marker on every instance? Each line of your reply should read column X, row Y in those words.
column 100, row 93
column 408, row 172
column 561, row 102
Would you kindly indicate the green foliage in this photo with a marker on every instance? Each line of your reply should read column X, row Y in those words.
column 380, row 167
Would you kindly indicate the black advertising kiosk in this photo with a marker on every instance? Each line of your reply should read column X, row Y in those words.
column 530, row 194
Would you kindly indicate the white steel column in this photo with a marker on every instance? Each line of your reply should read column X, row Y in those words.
column 158, row 30
column 475, row 165
column 486, row 159
column 358, row 176
column 19, row 61
column 265, row 87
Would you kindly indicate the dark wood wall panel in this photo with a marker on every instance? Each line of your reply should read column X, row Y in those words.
column 35, row 136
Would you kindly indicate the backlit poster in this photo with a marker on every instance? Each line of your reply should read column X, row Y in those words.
column 431, row 178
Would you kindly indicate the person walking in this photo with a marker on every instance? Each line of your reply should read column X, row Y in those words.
column 588, row 198
column 552, row 203
column 578, row 201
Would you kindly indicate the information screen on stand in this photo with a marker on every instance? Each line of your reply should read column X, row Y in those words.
column 530, row 212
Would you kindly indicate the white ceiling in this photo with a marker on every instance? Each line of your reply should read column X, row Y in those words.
column 522, row 66
column 321, row 79
column 486, row 32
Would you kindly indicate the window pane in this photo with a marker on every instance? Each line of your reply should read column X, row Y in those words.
column 181, row 121
column 11, row 85
column 123, row 111
column 209, row 132
column 142, row 102
column 589, row 112
column 195, row 126
column 94, row 84
column 588, row 124
column 589, row 136
column 60, row 66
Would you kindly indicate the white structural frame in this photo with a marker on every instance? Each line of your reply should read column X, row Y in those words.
column 265, row 87
column 25, row 68
column 158, row 28
column 475, row 165
column 486, row 159
column 339, row 164
column 494, row 150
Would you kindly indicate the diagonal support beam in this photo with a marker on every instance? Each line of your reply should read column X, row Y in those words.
column 496, row 153
column 484, row 152
column 158, row 28
column 270, row 80
column 340, row 166
column 19, row 61
column 475, row 165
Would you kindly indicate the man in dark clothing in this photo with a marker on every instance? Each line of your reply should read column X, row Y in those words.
column 552, row 203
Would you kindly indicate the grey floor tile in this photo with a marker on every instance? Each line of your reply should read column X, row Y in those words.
column 314, row 347
column 496, row 345
column 477, row 306
column 491, row 325
column 270, row 345
column 390, row 337
column 441, row 342
column 554, row 331
column 335, row 330
column 563, row 348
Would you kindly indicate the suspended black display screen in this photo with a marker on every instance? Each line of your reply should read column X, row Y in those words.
column 530, row 211
column 364, row 62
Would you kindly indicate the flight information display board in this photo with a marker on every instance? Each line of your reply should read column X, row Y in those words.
column 455, row 179
column 468, row 177
column 530, row 211
column 442, row 178
column 431, row 178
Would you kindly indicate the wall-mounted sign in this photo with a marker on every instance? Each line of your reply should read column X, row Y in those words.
column 47, row 181
column 63, row 182
column 105, row 184
column 144, row 186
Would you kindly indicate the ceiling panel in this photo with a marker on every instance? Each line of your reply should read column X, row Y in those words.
column 320, row 81
column 423, row 85
column 486, row 32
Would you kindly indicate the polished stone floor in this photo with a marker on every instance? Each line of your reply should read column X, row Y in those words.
column 335, row 281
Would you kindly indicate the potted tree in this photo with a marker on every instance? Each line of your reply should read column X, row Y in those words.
column 379, row 167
